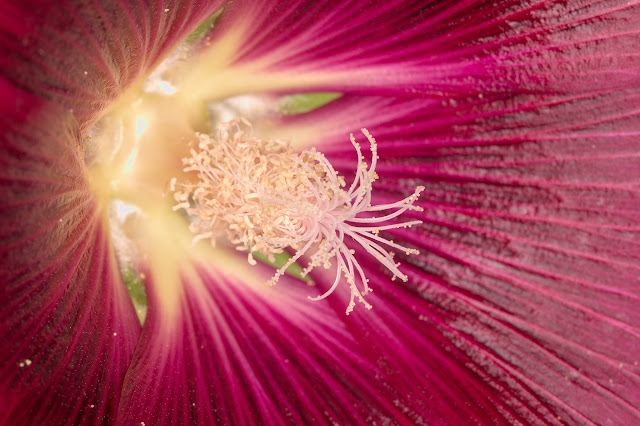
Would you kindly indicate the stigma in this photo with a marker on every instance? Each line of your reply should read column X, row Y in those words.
column 265, row 197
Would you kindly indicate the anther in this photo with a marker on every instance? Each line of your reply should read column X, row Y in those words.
column 265, row 197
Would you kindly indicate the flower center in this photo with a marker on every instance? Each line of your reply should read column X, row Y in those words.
column 265, row 197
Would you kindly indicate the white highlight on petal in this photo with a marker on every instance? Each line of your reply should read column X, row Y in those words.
column 266, row 197
column 142, row 124
column 123, row 209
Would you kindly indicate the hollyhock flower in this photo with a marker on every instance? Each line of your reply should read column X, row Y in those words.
column 518, row 119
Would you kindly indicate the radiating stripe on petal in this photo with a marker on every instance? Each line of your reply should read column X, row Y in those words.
column 84, row 53
column 226, row 350
column 419, row 48
column 67, row 325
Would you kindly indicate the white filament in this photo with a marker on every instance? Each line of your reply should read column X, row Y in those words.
column 266, row 197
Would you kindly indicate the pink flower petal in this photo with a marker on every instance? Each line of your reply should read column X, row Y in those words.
column 522, row 306
column 67, row 325
column 84, row 53
column 528, row 277
column 426, row 48
column 239, row 353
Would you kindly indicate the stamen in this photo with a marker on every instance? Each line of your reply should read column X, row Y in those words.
column 265, row 197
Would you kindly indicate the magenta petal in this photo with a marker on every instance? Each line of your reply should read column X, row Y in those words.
column 486, row 346
column 67, row 325
column 84, row 53
column 239, row 353
column 527, row 286
column 418, row 48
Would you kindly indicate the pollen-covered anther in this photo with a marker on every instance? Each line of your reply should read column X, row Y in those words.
column 264, row 197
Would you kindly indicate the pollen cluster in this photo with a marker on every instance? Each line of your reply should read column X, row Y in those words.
column 264, row 197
